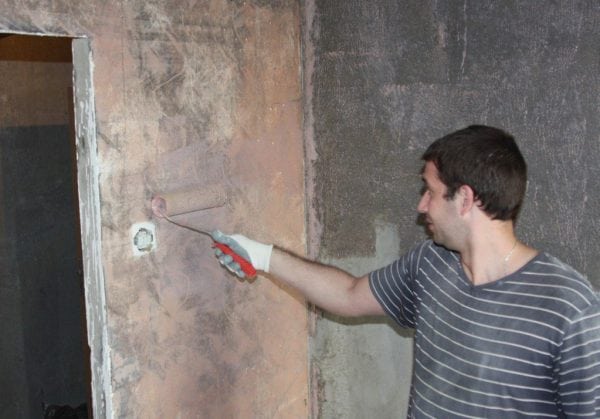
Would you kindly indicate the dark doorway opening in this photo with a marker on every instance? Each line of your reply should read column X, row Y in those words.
column 45, row 367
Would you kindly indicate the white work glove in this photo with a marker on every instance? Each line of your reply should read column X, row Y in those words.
column 258, row 254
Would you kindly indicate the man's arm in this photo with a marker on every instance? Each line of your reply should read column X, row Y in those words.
column 329, row 288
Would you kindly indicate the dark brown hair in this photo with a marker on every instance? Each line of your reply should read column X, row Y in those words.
column 486, row 159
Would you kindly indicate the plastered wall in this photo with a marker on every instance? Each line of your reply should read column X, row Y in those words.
column 193, row 94
column 389, row 77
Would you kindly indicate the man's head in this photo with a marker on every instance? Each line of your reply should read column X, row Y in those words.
column 488, row 161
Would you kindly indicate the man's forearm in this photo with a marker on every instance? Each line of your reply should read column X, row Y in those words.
column 329, row 288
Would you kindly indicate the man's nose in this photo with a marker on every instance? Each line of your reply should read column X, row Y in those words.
column 423, row 203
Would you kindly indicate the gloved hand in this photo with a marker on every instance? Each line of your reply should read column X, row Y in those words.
column 258, row 254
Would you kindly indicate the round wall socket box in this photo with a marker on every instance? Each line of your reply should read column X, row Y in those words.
column 143, row 238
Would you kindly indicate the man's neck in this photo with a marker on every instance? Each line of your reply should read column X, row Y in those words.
column 493, row 253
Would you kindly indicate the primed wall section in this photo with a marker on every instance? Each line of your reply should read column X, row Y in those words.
column 389, row 77
column 193, row 94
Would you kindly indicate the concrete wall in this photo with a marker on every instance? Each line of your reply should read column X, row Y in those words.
column 193, row 94
column 388, row 77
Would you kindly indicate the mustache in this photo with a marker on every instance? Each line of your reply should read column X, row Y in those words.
column 423, row 220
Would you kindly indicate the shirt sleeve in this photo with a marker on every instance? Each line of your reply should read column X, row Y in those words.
column 578, row 368
column 392, row 286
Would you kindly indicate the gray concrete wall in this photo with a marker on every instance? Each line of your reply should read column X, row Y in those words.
column 385, row 78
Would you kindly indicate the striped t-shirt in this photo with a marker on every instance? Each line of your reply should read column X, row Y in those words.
column 527, row 345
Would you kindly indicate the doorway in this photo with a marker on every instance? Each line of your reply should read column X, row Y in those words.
column 45, row 355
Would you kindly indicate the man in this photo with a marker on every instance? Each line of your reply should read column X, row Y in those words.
column 500, row 328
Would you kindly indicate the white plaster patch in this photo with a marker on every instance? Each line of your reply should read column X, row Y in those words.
column 143, row 238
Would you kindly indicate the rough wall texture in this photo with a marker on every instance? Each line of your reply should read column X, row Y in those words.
column 194, row 94
column 389, row 77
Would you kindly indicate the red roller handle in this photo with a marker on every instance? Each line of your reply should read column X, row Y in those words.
column 246, row 266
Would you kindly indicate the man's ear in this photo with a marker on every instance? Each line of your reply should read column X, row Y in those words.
column 467, row 197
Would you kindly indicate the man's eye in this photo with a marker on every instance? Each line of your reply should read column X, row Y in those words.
column 424, row 190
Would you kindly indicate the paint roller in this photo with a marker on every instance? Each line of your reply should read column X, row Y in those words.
column 187, row 201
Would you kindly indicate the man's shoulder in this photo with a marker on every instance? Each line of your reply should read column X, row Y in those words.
column 547, row 264
column 422, row 255
column 550, row 276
